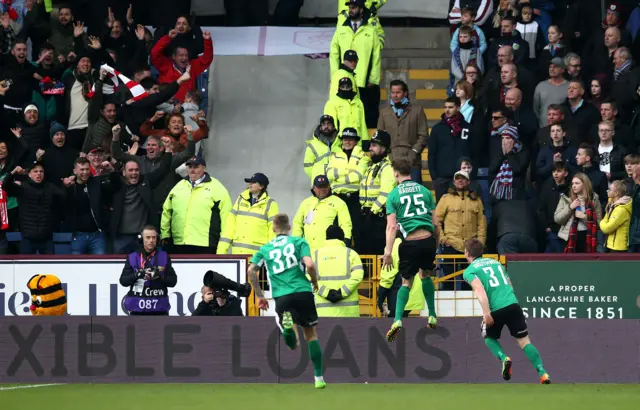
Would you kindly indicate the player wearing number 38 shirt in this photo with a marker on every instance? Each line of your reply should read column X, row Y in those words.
column 500, row 307
column 285, row 259
column 410, row 209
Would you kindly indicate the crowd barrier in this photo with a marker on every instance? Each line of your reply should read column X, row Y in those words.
column 250, row 350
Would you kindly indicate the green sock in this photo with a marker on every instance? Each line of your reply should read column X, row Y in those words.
column 401, row 302
column 534, row 357
column 495, row 348
column 428, row 290
column 315, row 352
column 290, row 338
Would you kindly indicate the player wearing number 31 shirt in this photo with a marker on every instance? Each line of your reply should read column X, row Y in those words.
column 500, row 307
column 410, row 209
column 285, row 258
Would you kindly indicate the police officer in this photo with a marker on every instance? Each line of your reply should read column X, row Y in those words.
column 347, row 69
column 370, row 5
column 249, row 225
column 378, row 181
column 340, row 273
column 345, row 170
column 318, row 212
column 148, row 274
column 347, row 110
column 319, row 147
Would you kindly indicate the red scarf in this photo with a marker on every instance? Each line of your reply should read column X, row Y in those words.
column 592, row 231
column 454, row 124
column 4, row 214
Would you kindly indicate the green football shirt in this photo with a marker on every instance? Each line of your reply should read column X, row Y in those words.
column 413, row 205
column 283, row 259
column 495, row 281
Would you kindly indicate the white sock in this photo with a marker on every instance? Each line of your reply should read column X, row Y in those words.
column 319, row 378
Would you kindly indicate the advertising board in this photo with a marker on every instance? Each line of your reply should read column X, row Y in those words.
column 93, row 286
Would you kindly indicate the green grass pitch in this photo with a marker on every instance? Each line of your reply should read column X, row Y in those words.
column 335, row 396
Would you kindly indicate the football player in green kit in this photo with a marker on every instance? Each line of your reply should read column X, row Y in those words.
column 410, row 208
column 284, row 257
column 500, row 307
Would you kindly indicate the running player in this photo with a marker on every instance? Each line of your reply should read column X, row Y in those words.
column 410, row 208
column 284, row 258
column 500, row 307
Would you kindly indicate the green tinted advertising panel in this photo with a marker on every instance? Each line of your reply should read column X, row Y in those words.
column 577, row 290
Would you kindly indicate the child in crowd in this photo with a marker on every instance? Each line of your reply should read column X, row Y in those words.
column 531, row 32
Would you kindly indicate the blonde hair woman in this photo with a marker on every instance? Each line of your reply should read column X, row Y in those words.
column 617, row 217
column 579, row 216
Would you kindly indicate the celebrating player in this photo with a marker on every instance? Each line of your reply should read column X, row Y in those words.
column 492, row 286
column 295, row 304
column 410, row 208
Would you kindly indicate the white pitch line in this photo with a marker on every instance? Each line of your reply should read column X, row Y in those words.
column 29, row 386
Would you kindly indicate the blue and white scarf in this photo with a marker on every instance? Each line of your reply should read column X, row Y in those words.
column 399, row 111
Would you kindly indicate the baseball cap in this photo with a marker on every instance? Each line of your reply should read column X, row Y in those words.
column 321, row 181
column 350, row 133
column 96, row 150
column 359, row 3
column 350, row 55
column 196, row 160
column 345, row 81
column 463, row 173
column 381, row 137
column 258, row 178
column 329, row 118
column 557, row 61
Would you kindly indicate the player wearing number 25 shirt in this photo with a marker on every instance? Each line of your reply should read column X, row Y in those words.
column 410, row 209
column 148, row 273
column 285, row 259
column 500, row 307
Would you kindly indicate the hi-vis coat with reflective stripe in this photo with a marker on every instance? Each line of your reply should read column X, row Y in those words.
column 314, row 216
column 316, row 155
column 366, row 42
column 339, row 268
column 248, row 227
column 343, row 15
column 376, row 185
column 348, row 114
column 344, row 173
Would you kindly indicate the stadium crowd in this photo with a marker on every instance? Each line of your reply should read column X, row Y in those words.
column 535, row 152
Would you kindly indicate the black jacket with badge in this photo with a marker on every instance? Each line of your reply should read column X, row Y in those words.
column 445, row 148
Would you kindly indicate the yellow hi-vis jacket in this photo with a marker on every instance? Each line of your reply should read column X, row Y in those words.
column 366, row 43
column 339, row 268
column 348, row 114
column 341, row 73
column 315, row 215
column 376, row 185
column 416, row 297
column 344, row 173
column 316, row 155
column 343, row 15
column 191, row 216
column 248, row 227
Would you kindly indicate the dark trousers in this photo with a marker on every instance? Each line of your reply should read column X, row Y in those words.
column 126, row 244
column 372, row 234
column 517, row 243
column 554, row 243
column 370, row 97
column 246, row 12
column 36, row 246
column 75, row 138
column 287, row 13
column 391, row 296
column 441, row 186
column 352, row 199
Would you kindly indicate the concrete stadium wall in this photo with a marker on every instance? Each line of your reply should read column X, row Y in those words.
column 250, row 350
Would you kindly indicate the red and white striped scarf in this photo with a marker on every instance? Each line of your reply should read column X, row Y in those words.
column 116, row 76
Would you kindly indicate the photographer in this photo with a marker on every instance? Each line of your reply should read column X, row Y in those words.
column 218, row 303
column 148, row 273
column 216, row 299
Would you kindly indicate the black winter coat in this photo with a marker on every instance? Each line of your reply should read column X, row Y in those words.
column 549, row 198
column 445, row 149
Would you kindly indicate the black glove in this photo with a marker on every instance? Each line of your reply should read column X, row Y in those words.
column 334, row 296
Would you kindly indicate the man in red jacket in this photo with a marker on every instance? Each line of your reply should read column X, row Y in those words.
column 171, row 69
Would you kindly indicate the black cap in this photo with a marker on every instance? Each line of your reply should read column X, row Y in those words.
column 381, row 137
column 350, row 55
column 258, row 178
column 359, row 3
column 196, row 160
column 329, row 118
column 350, row 133
column 321, row 181
column 345, row 81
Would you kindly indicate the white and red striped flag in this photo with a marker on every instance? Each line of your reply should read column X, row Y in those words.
column 136, row 89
